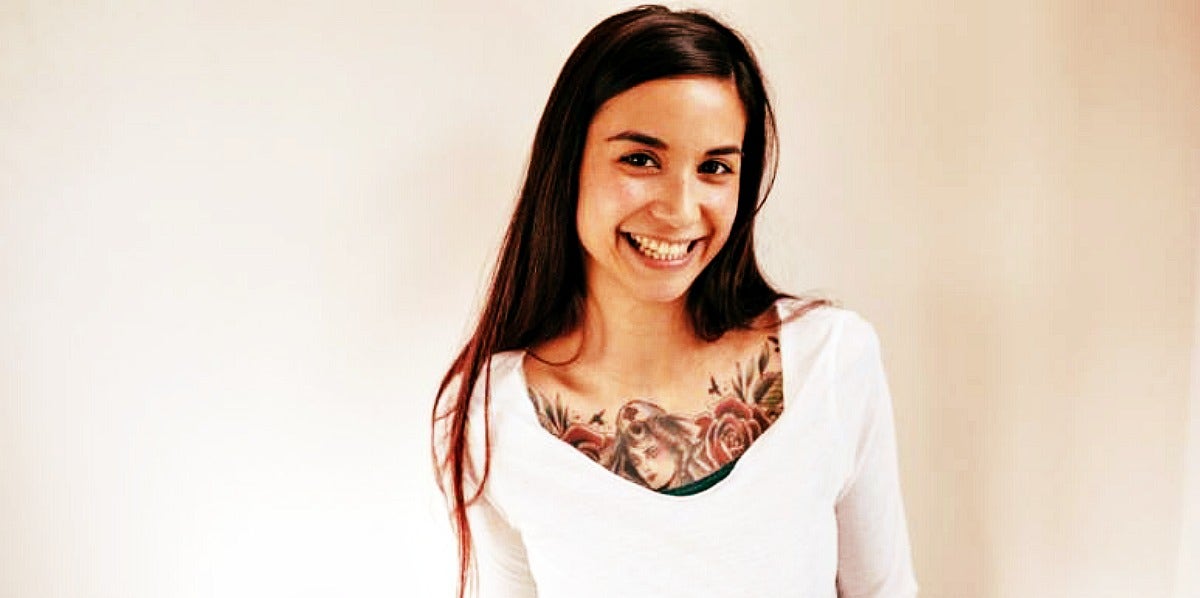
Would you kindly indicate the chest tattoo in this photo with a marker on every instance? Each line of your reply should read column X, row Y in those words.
column 645, row 444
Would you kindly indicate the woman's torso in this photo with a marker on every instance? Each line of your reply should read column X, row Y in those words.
column 769, row 528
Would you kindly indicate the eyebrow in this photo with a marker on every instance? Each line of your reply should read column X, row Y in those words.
column 657, row 143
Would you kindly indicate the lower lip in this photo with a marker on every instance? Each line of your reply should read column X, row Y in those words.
column 674, row 264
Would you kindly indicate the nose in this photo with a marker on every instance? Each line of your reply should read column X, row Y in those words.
column 678, row 201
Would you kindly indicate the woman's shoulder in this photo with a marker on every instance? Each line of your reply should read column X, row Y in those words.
column 498, row 369
column 792, row 312
column 498, row 379
column 844, row 328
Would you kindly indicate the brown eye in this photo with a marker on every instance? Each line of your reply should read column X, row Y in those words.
column 715, row 167
column 639, row 160
column 637, row 429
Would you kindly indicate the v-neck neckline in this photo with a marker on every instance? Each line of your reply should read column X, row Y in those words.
column 609, row 477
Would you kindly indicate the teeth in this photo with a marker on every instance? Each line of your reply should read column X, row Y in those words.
column 660, row 250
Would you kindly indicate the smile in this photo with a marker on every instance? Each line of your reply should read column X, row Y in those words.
column 659, row 249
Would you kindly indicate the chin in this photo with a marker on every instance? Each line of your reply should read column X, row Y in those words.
column 665, row 293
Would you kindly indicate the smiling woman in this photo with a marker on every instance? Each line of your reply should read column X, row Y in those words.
column 634, row 381
column 658, row 190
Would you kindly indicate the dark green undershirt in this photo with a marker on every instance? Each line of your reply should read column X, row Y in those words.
column 703, row 483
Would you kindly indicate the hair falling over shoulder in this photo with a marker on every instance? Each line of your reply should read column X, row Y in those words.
column 537, row 287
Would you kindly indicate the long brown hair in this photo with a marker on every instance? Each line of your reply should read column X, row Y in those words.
column 537, row 288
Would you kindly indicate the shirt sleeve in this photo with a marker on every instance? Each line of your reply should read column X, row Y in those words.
column 501, row 564
column 874, row 556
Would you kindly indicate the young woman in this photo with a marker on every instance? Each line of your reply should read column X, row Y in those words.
column 638, row 412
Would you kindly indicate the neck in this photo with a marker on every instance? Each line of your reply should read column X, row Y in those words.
column 636, row 342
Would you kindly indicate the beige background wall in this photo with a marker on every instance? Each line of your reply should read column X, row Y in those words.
column 1188, row 574
column 239, row 243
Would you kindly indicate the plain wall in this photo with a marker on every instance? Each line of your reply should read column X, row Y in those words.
column 240, row 242
column 1188, row 573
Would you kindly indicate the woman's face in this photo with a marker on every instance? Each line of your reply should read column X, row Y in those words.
column 655, row 463
column 658, row 188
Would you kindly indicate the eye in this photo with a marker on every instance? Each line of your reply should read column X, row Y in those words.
column 639, row 160
column 715, row 167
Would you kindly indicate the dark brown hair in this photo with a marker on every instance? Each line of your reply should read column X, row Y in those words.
column 537, row 289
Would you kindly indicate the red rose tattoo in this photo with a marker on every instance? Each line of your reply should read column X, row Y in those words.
column 596, row 446
column 649, row 446
column 733, row 427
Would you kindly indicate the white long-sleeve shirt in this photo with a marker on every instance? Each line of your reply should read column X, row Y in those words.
column 813, row 508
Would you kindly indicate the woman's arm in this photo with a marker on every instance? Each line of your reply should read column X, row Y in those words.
column 503, row 571
column 874, row 556
column 500, row 568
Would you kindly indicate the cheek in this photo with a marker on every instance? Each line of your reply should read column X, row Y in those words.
column 629, row 192
column 617, row 195
column 665, row 468
column 723, row 206
column 608, row 199
column 663, row 461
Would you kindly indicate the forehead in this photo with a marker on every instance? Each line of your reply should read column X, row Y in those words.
column 701, row 111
